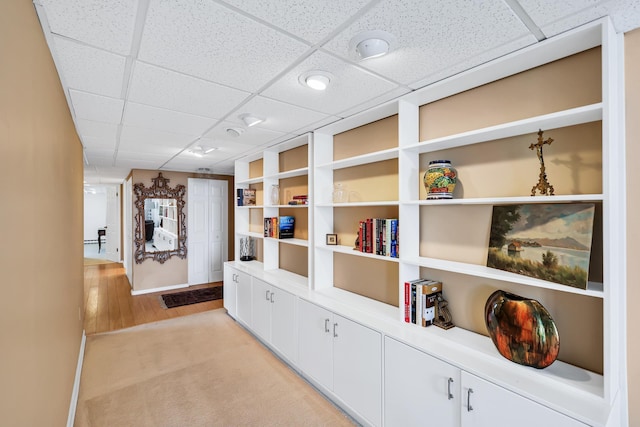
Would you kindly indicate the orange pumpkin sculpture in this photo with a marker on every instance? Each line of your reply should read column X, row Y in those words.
column 522, row 329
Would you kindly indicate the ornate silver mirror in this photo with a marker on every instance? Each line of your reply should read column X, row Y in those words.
column 160, row 229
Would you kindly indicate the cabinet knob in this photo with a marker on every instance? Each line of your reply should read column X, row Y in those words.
column 326, row 325
column 449, row 395
column 469, row 407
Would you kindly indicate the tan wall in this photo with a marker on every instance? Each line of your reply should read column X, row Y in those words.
column 632, row 68
column 151, row 274
column 41, row 224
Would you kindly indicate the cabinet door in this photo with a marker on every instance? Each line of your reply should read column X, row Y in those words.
column 283, row 323
column 419, row 389
column 486, row 404
column 243, row 293
column 315, row 343
column 357, row 368
column 261, row 309
column 229, row 290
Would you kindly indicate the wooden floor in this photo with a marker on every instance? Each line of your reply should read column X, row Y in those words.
column 109, row 304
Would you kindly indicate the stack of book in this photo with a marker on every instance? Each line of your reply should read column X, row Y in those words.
column 302, row 199
column 420, row 297
column 279, row 227
column 379, row 236
column 246, row 196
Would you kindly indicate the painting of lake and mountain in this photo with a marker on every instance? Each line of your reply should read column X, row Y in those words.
column 551, row 241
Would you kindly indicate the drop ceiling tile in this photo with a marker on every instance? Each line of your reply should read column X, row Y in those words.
column 316, row 125
column 93, row 129
column 556, row 17
column 89, row 69
column 430, row 35
column 249, row 136
column 99, row 143
column 96, row 107
column 99, row 157
column 161, row 119
column 314, row 19
column 159, row 87
column 149, row 164
column 132, row 136
column 107, row 24
column 279, row 116
column 210, row 41
column 349, row 86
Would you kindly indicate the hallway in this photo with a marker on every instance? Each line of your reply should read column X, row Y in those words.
column 109, row 305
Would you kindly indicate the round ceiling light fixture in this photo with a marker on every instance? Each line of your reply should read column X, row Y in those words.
column 371, row 44
column 317, row 80
column 250, row 120
column 234, row 132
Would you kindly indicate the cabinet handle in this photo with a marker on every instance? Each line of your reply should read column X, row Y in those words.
column 335, row 325
column 271, row 298
column 449, row 395
column 326, row 325
column 469, row 407
column 267, row 296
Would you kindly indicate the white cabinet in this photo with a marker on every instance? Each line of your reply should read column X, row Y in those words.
column 343, row 356
column 423, row 390
column 419, row 389
column 243, row 295
column 274, row 317
column 486, row 404
column 229, row 290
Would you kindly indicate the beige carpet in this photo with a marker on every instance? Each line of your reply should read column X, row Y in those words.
column 197, row 370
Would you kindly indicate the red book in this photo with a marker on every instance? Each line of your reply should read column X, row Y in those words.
column 407, row 302
column 369, row 235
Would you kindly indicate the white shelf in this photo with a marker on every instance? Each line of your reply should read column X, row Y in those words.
column 296, row 242
column 291, row 206
column 593, row 290
column 358, row 204
column 250, row 207
column 511, row 200
column 574, row 116
column 350, row 251
column 250, row 234
column 250, row 181
column 364, row 159
column 289, row 174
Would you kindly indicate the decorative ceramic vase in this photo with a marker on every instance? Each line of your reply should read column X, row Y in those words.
column 275, row 195
column 521, row 329
column 340, row 193
column 440, row 180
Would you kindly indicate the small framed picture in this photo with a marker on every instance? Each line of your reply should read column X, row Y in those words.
column 332, row 239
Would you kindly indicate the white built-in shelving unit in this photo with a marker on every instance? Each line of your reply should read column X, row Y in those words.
column 580, row 394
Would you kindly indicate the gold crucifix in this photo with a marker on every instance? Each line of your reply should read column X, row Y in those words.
column 543, row 185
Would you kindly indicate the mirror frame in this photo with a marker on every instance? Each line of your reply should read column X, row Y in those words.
column 159, row 190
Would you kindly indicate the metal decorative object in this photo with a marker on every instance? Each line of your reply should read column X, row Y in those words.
column 543, row 185
column 159, row 190
column 443, row 318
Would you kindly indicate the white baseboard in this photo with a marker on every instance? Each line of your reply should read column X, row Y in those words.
column 76, row 383
column 163, row 289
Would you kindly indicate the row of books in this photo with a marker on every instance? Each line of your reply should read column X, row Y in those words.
column 378, row 236
column 279, row 227
column 420, row 297
column 302, row 199
column 246, row 197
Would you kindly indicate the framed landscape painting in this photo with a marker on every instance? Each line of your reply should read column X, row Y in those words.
column 551, row 241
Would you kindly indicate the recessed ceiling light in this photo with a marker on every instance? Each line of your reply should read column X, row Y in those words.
column 250, row 120
column 371, row 44
column 234, row 132
column 318, row 80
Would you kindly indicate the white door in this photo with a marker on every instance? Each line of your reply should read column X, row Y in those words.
column 419, row 389
column 113, row 225
column 315, row 342
column 207, row 230
column 229, row 290
column 197, row 235
column 218, row 221
column 283, row 324
column 261, row 297
column 357, row 368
